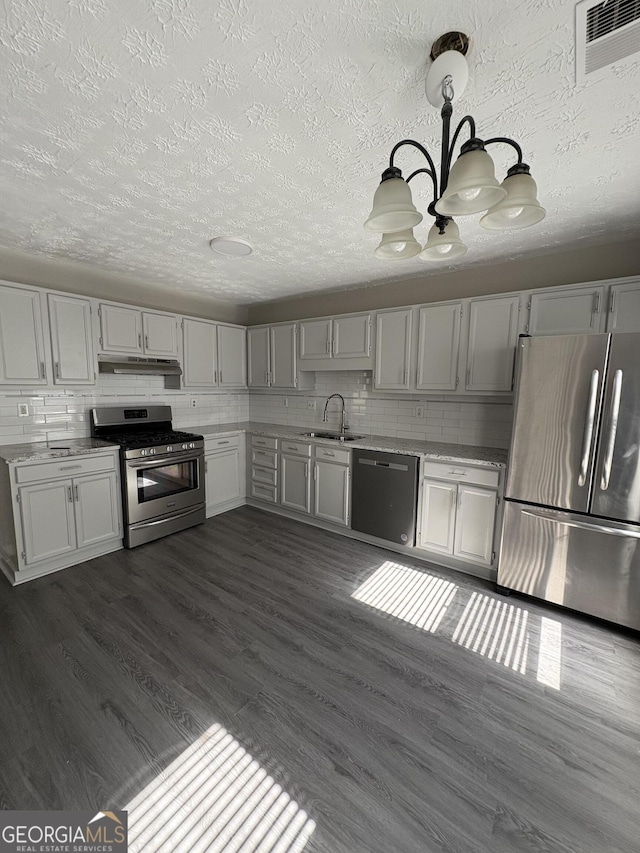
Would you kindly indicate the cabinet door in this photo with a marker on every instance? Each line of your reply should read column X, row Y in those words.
column 352, row 337
column 315, row 339
column 71, row 340
column 232, row 357
column 96, row 506
column 121, row 329
column 393, row 349
column 624, row 308
column 295, row 485
column 475, row 524
column 21, row 337
column 47, row 520
column 438, row 342
column 566, row 312
column 160, row 334
column 283, row 356
column 493, row 332
column 199, row 356
column 223, row 477
column 331, row 492
column 437, row 517
column 258, row 345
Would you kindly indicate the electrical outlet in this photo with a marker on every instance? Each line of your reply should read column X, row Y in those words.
column 418, row 412
column 311, row 404
column 285, row 402
column 23, row 410
column 193, row 402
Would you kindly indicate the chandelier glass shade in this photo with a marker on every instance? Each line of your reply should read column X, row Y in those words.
column 461, row 188
column 398, row 245
column 443, row 246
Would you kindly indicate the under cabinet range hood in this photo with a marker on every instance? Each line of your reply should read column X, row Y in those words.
column 133, row 365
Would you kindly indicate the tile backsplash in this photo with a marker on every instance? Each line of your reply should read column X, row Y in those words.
column 64, row 413
column 481, row 421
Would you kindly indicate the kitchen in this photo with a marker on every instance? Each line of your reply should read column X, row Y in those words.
column 232, row 595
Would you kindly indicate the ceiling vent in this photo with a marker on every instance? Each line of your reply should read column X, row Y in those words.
column 606, row 33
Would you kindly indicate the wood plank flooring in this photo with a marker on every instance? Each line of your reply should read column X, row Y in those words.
column 258, row 684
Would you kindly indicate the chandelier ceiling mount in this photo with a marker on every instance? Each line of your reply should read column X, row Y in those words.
column 466, row 187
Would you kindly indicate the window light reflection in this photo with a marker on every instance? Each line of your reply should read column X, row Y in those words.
column 215, row 797
column 416, row 597
column 496, row 630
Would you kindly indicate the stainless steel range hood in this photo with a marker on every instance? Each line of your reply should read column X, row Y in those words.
column 132, row 364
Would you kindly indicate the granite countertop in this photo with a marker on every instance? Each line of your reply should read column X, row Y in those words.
column 39, row 450
column 490, row 457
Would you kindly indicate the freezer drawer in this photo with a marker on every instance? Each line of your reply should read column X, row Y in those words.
column 585, row 563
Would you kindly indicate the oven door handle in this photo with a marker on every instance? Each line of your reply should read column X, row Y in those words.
column 153, row 461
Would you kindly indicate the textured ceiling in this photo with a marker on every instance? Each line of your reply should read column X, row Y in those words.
column 133, row 132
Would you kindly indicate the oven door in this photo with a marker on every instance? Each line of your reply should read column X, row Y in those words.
column 164, row 485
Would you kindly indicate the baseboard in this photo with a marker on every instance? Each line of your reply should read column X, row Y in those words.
column 434, row 559
column 226, row 506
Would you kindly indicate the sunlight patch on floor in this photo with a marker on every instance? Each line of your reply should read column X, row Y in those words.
column 215, row 798
column 414, row 596
column 550, row 653
column 496, row 630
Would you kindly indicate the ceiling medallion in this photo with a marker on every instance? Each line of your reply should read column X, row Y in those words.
column 469, row 186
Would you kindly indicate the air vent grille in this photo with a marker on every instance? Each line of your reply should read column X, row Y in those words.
column 606, row 33
column 609, row 16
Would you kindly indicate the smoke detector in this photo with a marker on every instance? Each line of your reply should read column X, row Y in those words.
column 607, row 32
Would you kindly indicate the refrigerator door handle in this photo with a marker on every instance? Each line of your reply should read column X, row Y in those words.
column 613, row 428
column 583, row 525
column 588, row 428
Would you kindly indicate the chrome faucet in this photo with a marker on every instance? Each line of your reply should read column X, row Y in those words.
column 343, row 426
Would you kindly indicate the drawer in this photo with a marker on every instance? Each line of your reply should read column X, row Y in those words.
column 66, row 466
column 211, row 444
column 261, row 441
column 264, row 492
column 461, row 473
column 332, row 454
column 265, row 458
column 297, row 447
column 264, row 475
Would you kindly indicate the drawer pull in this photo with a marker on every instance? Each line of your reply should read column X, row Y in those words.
column 223, row 442
column 459, row 473
column 328, row 453
column 69, row 467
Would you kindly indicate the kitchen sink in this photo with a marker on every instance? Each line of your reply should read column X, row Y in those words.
column 334, row 436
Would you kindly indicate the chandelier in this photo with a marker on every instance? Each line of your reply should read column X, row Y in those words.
column 469, row 186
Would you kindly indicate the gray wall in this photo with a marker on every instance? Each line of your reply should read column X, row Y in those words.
column 588, row 263
column 75, row 277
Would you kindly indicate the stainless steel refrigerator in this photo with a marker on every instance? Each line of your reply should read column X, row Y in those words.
column 571, row 531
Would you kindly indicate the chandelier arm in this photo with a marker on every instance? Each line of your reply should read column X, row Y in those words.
column 507, row 141
column 431, row 175
column 472, row 128
column 424, row 153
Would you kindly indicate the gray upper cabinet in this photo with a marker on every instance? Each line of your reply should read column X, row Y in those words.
column 160, row 333
column 566, row 312
column 393, row 350
column 493, row 332
column 351, row 336
column 283, row 356
column 258, row 346
column 74, row 357
column 22, row 359
column 232, row 357
column 624, row 307
column 132, row 331
column 438, row 343
column 315, row 339
column 199, row 353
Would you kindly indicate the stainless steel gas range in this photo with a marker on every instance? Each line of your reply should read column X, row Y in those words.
column 162, row 470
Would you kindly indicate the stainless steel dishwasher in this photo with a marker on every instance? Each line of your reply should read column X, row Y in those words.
column 384, row 495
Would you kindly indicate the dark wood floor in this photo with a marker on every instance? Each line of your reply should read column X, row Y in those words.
column 244, row 686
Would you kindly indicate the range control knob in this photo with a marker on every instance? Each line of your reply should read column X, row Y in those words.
column 152, row 452
column 185, row 446
column 143, row 452
column 191, row 444
column 169, row 448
